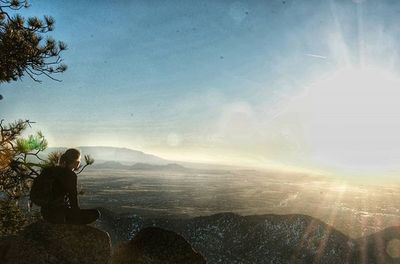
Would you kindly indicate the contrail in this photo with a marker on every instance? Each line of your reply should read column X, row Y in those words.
column 316, row 56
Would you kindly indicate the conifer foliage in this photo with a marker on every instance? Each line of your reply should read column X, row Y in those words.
column 21, row 161
column 19, row 164
column 25, row 47
column 19, row 158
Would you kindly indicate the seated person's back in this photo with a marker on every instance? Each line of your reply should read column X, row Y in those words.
column 63, row 206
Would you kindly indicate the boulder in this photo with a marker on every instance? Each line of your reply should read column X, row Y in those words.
column 43, row 242
column 156, row 245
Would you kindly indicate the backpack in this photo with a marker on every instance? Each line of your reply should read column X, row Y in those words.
column 41, row 192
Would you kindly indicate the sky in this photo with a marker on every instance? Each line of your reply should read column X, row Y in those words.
column 307, row 85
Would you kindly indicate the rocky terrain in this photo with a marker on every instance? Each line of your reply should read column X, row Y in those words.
column 219, row 238
column 44, row 243
column 231, row 238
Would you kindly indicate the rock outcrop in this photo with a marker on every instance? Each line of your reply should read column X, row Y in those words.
column 155, row 245
column 41, row 243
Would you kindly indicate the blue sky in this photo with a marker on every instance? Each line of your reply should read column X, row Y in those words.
column 221, row 81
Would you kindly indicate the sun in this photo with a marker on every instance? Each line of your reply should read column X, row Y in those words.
column 350, row 119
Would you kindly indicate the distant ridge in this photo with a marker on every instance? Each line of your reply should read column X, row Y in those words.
column 123, row 155
column 116, row 158
column 139, row 166
column 170, row 166
column 110, row 165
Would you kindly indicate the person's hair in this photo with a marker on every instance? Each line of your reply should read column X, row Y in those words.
column 69, row 156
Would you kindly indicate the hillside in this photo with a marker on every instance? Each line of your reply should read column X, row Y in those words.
column 231, row 238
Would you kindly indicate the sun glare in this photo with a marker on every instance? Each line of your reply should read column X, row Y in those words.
column 350, row 119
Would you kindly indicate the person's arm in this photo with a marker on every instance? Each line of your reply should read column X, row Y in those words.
column 73, row 191
column 70, row 182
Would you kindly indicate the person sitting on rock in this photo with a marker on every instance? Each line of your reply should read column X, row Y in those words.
column 63, row 207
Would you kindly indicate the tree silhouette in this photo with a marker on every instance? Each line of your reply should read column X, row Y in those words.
column 23, row 48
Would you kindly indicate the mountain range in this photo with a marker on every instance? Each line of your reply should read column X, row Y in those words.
column 138, row 166
column 124, row 156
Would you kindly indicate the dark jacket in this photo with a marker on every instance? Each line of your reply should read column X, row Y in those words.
column 65, row 192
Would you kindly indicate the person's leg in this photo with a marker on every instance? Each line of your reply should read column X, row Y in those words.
column 82, row 216
column 53, row 215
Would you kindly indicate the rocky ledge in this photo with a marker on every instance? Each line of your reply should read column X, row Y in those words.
column 45, row 243
column 42, row 242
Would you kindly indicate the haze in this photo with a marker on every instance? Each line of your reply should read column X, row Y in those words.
column 305, row 85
